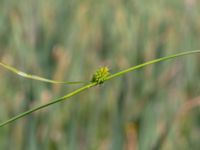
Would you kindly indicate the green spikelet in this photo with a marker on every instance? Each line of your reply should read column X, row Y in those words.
column 100, row 76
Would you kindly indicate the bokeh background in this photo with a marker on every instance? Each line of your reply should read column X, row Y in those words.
column 152, row 108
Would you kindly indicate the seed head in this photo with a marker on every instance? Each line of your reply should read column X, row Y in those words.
column 100, row 76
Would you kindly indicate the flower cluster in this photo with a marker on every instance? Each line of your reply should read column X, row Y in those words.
column 100, row 76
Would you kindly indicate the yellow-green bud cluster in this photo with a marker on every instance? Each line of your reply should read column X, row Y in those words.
column 100, row 76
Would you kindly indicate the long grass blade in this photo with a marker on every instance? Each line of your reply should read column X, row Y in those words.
column 95, row 83
column 34, row 77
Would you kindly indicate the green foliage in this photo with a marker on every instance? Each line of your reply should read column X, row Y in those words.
column 66, row 40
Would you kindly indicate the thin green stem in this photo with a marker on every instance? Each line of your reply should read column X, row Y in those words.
column 34, row 77
column 94, row 84
column 45, row 105
column 151, row 62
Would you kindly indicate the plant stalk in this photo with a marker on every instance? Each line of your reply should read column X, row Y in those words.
column 92, row 84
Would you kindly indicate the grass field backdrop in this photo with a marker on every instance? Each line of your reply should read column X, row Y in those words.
column 152, row 108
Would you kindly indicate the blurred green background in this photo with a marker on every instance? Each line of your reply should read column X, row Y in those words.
column 152, row 108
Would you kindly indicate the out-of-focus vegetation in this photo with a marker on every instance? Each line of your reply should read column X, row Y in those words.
column 153, row 108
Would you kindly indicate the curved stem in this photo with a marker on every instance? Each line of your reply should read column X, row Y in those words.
column 45, row 105
column 34, row 77
column 151, row 62
column 93, row 84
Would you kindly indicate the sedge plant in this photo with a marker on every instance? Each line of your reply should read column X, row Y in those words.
column 99, row 77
